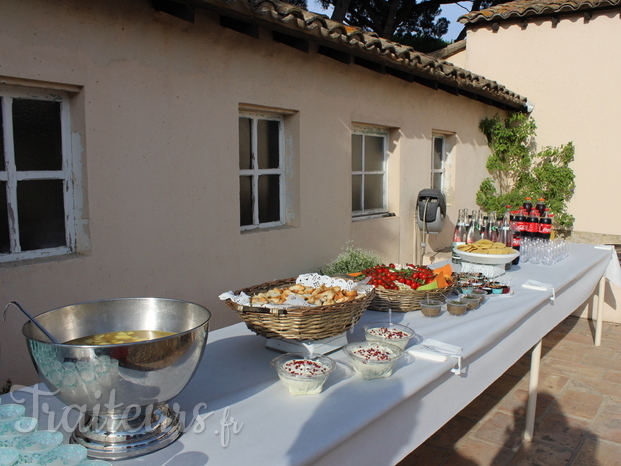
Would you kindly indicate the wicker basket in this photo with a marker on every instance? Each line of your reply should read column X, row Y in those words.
column 304, row 323
column 406, row 301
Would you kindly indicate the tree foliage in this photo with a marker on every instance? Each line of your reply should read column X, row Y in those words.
column 421, row 43
column 517, row 170
column 392, row 19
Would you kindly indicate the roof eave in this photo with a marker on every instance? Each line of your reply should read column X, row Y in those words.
column 297, row 27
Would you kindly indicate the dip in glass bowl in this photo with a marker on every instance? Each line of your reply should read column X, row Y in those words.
column 373, row 359
column 303, row 374
column 395, row 334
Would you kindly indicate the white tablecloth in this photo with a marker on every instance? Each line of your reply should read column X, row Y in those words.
column 248, row 417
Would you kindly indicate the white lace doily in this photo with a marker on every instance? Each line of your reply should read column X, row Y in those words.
column 309, row 279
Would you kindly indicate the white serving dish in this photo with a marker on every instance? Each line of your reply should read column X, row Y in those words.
column 487, row 259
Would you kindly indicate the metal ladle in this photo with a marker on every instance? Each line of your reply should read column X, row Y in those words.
column 32, row 319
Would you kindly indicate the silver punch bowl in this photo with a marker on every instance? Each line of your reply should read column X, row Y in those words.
column 121, row 389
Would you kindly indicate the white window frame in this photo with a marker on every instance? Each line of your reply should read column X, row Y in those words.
column 449, row 162
column 445, row 154
column 255, row 172
column 11, row 176
column 383, row 132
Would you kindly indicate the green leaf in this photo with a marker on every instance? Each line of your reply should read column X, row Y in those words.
column 518, row 171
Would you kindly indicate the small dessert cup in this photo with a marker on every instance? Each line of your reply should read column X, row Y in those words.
column 472, row 301
column 395, row 334
column 431, row 307
column 11, row 411
column 373, row 359
column 303, row 374
column 8, row 456
column 35, row 444
column 64, row 455
column 481, row 294
column 12, row 429
column 456, row 308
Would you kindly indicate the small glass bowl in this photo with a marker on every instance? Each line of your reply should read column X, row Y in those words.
column 33, row 445
column 303, row 374
column 373, row 359
column 8, row 456
column 431, row 307
column 395, row 334
column 456, row 308
column 64, row 455
column 481, row 294
column 472, row 301
column 11, row 411
column 19, row 426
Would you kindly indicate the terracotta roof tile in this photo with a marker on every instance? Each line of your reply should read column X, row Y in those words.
column 529, row 8
column 297, row 22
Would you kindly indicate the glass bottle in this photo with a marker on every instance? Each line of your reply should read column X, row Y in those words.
column 459, row 236
column 506, row 234
column 474, row 230
column 492, row 226
column 485, row 227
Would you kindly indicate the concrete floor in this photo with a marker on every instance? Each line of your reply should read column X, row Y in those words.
column 578, row 420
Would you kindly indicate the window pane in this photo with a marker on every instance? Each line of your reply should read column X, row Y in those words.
column 269, row 198
column 245, row 200
column 373, row 153
column 37, row 136
column 4, row 221
column 245, row 144
column 373, row 192
column 2, row 168
column 41, row 214
column 356, row 152
column 268, row 144
column 438, row 153
column 356, row 192
column 436, row 181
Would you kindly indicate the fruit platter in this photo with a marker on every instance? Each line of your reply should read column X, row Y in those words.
column 401, row 288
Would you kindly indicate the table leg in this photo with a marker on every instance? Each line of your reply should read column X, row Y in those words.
column 533, row 383
column 601, row 291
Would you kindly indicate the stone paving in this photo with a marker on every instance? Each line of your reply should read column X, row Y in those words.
column 578, row 418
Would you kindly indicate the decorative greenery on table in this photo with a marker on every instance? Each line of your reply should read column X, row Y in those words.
column 352, row 259
column 519, row 171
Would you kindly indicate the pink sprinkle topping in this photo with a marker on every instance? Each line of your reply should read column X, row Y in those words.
column 374, row 354
column 391, row 334
column 305, row 367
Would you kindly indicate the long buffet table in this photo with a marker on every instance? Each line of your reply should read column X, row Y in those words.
column 238, row 412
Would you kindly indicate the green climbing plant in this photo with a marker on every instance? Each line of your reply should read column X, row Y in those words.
column 518, row 170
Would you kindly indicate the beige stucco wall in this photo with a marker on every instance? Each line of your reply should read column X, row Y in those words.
column 572, row 79
column 570, row 72
column 156, row 124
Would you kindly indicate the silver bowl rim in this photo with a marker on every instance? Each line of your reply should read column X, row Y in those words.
column 118, row 345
